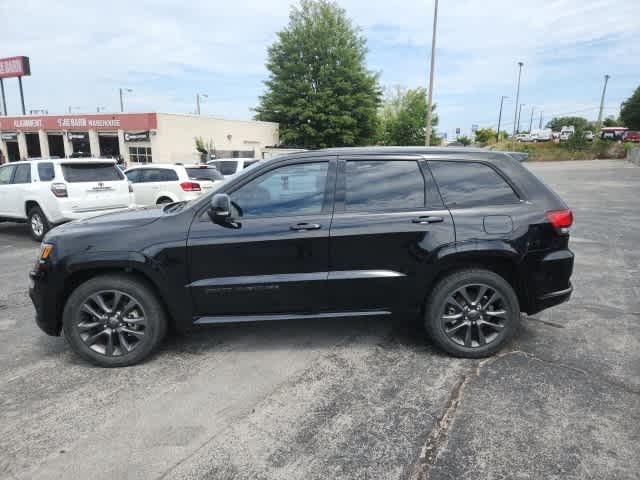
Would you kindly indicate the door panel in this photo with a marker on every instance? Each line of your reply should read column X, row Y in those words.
column 6, row 173
column 277, row 259
column 380, row 254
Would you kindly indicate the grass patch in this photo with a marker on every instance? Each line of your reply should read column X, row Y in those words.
column 552, row 151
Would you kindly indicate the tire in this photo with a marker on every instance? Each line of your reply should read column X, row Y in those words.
column 164, row 201
column 38, row 224
column 462, row 332
column 120, row 337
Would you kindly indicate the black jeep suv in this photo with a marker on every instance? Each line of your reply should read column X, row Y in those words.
column 468, row 238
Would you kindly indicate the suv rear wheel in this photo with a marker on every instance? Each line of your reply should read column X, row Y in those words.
column 38, row 223
column 114, row 321
column 472, row 313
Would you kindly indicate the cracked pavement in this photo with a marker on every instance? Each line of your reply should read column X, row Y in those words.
column 349, row 399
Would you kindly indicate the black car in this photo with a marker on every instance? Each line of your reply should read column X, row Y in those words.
column 467, row 238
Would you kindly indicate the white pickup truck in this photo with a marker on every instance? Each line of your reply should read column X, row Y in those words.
column 48, row 192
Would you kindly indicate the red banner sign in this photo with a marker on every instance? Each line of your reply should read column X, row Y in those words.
column 100, row 122
column 14, row 67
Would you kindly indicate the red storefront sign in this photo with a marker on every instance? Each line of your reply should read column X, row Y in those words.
column 100, row 122
column 14, row 67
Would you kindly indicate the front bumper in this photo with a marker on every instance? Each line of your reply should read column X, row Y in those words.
column 44, row 295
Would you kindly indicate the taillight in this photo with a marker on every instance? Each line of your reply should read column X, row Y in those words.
column 59, row 190
column 190, row 186
column 560, row 219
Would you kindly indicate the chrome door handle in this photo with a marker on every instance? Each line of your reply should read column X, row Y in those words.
column 426, row 219
column 302, row 226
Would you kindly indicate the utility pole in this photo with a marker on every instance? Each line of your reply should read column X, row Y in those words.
column 515, row 114
column 427, row 132
column 531, row 121
column 4, row 101
column 540, row 124
column 500, row 117
column 519, row 115
column 604, row 90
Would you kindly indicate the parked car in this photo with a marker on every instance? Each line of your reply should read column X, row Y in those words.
column 566, row 131
column 467, row 238
column 231, row 166
column 48, row 192
column 631, row 136
column 588, row 135
column 523, row 137
column 612, row 133
column 157, row 184
column 542, row 135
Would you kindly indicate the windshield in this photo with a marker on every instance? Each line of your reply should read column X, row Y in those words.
column 204, row 173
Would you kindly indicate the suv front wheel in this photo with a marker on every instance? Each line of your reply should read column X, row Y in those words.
column 472, row 313
column 114, row 321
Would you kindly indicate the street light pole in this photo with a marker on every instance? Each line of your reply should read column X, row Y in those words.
column 121, row 100
column 500, row 117
column 519, row 115
column 198, row 95
column 604, row 90
column 427, row 132
column 531, row 121
column 515, row 114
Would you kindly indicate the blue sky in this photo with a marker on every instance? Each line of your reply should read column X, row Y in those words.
column 167, row 51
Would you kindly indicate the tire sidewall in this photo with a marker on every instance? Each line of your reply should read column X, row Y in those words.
column 445, row 287
column 154, row 314
column 36, row 211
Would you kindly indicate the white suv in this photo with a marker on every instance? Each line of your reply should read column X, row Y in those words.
column 158, row 184
column 230, row 166
column 47, row 192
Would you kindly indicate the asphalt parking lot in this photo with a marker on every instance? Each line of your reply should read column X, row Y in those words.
column 348, row 399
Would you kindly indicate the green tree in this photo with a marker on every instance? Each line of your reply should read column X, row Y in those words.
column 557, row 123
column 577, row 141
column 464, row 140
column 319, row 89
column 630, row 111
column 485, row 135
column 403, row 116
column 610, row 122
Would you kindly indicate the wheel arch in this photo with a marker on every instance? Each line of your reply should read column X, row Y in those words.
column 497, row 257
column 78, row 274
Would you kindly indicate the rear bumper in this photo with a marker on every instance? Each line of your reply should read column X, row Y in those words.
column 547, row 277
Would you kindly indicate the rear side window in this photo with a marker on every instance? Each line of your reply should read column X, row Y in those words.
column 23, row 174
column 471, row 183
column 45, row 172
column 206, row 173
column 91, row 172
column 384, row 185
column 5, row 174
column 158, row 175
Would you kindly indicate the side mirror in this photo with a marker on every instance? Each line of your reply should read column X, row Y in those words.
column 220, row 211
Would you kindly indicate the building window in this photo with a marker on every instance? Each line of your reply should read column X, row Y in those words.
column 140, row 155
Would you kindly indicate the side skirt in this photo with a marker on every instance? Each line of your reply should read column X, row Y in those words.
column 261, row 318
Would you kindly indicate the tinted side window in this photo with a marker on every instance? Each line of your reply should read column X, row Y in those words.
column 167, row 175
column 5, row 174
column 227, row 167
column 470, row 183
column 133, row 176
column 23, row 174
column 153, row 175
column 383, row 185
column 290, row 190
column 45, row 172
